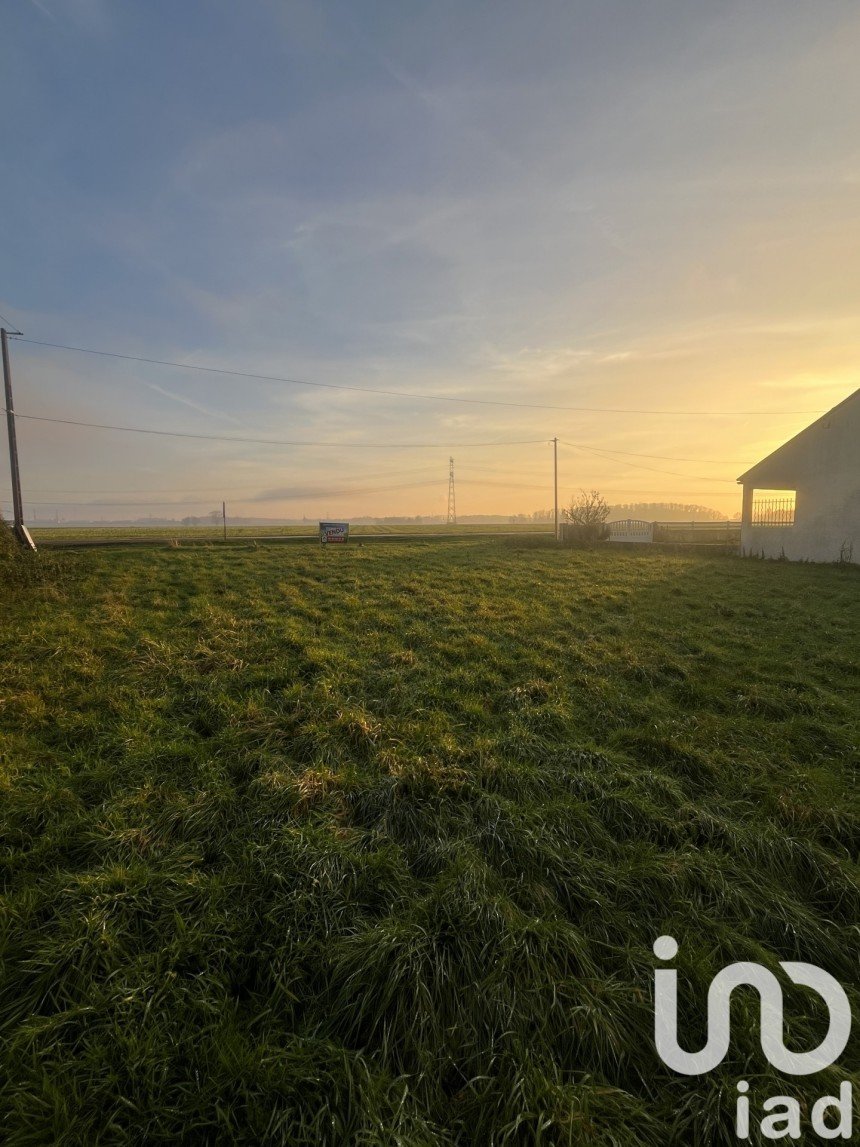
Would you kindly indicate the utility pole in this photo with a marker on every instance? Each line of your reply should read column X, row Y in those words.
column 19, row 529
column 452, row 504
column 224, row 518
column 555, row 483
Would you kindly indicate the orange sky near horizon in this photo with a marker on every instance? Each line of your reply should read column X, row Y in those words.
column 639, row 235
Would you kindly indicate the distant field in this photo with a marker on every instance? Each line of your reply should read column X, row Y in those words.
column 369, row 845
column 47, row 534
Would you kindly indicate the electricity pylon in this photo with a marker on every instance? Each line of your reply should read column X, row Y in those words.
column 452, row 503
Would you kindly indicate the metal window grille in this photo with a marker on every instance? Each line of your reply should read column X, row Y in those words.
column 773, row 511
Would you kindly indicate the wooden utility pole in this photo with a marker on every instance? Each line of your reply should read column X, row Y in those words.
column 555, row 482
column 224, row 518
column 20, row 530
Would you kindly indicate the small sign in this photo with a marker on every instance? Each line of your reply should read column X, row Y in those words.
column 334, row 532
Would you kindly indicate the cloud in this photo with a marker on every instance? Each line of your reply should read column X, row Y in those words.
column 43, row 8
column 652, row 213
column 218, row 414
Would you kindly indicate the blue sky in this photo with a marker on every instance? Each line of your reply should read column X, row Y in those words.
column 636, row 206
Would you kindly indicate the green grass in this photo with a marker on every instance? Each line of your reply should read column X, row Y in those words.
column 45, row 535
column 370, row 845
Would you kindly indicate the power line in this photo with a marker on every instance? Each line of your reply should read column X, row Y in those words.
column 663, row 457
column 270, row 441
column 236, row 490
column 625, row 494
column 405, row 393
column 11, row 324
column 653, row 469
column 284, row 496
column 184, row 491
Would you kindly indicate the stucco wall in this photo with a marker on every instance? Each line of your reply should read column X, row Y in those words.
column 823, row 466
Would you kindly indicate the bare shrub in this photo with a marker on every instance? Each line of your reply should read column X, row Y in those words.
column 587, row 514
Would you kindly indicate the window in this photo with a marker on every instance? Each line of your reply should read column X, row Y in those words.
column 773, row 507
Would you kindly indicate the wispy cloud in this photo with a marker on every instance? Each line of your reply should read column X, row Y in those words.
column 43, row 9
column 463, row 201
column 199, row 407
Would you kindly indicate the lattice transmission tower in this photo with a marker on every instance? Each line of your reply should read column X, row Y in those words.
column 452, row 501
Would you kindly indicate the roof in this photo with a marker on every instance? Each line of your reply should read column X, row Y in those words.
column 790, row 446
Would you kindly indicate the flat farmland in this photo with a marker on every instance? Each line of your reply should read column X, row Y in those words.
column 68, row 535
column 370, row 845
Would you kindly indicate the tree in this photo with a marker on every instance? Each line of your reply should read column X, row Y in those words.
column 588, row 512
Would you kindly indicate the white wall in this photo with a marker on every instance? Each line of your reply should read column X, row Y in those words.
column 823, row 466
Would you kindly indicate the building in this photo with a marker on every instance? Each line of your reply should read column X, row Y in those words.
column 802, row 502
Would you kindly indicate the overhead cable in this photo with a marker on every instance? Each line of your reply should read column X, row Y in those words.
column 409, row 394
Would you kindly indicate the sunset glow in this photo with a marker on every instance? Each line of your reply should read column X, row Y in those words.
column 632, row 208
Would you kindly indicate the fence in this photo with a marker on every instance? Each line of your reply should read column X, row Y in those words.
column 773, row 511
column 631, row 530
column 699, row 533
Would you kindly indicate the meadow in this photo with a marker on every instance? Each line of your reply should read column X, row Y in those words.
column 53, row 535
column 370, row 844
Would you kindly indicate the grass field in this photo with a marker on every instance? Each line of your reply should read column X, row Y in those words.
column 45, row 535
column 370, row 845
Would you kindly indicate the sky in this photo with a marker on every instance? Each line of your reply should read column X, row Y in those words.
column 645, row 213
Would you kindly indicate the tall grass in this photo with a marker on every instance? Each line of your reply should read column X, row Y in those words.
column 22, row 569
column 371, row 846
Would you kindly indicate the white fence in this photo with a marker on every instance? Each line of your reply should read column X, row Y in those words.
column 631, row 530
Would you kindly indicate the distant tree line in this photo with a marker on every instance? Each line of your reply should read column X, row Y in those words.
column 653, row 510
column 648, row 511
